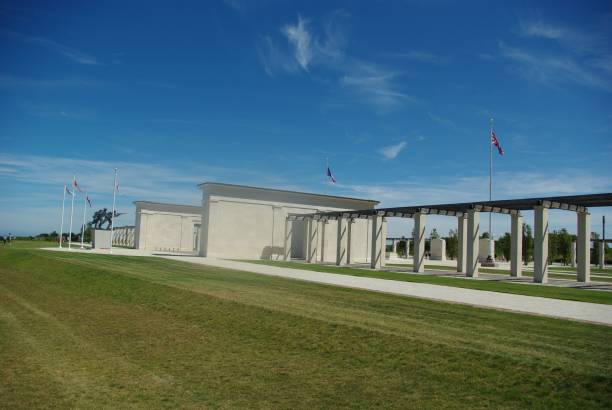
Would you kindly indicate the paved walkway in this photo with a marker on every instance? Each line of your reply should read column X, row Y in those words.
column 562, row 309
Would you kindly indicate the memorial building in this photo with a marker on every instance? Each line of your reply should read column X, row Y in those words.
column 237, row 221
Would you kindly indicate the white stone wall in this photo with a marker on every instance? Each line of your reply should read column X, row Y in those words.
column 166, row 227
column 124, row 236
column 249, row 223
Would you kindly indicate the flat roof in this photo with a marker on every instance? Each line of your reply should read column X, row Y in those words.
column 223, row 184
column 577, row 203
column 194, row 209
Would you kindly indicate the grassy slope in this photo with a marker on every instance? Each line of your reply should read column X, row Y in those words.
column 521, row 289
column 101, row 331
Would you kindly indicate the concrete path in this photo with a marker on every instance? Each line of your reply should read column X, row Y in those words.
column 562, row 309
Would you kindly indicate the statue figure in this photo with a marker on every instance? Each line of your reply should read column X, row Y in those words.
column 103, row 216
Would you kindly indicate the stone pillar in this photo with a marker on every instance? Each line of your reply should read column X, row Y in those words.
column 322, row 226
column 377, row 259
column 516, row 245
column 349, row 240
column 288, row 236
column 583, row 247
column 540, row 244
column 461, row 243
column 573, row 255
column 602, row 254
column 473, row 244
column 342, row 239
column 394, row 245
column 312, row 241
column 419, row 242
column 407, row 248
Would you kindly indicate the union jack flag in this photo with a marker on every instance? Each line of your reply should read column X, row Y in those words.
column 495, row 142
column 330, row 176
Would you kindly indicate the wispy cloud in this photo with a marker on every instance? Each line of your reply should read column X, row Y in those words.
column 55, row 47
column 8, row 81
column 553, row 70
column 576, row 57
column 236, row 5
column 421, row 57
column 305, row 49
column 541, row 29
column 374, row 84
column 392, row 151
column 299, row 37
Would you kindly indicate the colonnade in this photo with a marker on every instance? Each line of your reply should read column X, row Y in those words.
column 468, row 230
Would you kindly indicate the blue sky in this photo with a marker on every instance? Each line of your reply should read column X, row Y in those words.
column 397, row 95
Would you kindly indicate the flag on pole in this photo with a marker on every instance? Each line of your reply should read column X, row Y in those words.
column 88, row 200
column 495, row 142
column 76, row 185
column 69, row 192
column 330, row 176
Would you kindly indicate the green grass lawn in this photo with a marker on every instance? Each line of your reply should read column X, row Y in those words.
column 95, row 331
column 581, row 295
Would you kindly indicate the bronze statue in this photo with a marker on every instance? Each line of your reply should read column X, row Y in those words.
column 103, row 216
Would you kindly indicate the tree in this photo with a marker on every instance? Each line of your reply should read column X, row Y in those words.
column 401, row 247
column 527, row 244
column 434, row 234
column 452, row 244
column 503, row 246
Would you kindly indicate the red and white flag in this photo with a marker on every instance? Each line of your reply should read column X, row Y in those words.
column 76, row 185
column 495, row 142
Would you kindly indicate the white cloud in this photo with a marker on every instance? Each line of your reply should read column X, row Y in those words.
column 421, row 57
column 299, row 37
column 375, row 85
column 307, row 50
column 9, row 81
column 392, row 151
column 544, row 30
column 553, row 70
column 53, row 46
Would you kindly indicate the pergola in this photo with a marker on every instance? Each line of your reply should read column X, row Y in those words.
column 468, row 220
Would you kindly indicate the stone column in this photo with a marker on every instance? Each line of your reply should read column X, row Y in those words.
column 602, row 254
column 377, row 259
column 461, row 243
column 583, row 247
column 407, row 248
column 419, row 242
column 349, row 240
column 573, row 254
column 342, row 240
column 394, row 245
column 312, row 241
column 540, row 244
column 516, row 245
column 322, row 226
column 473, row 243
column 288, row 236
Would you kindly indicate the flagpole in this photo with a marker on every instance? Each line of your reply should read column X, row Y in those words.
column 62, row 225
column 113, row 212
column 491, row 252
column 84, row 210
column 71, row 213
column 326, row 177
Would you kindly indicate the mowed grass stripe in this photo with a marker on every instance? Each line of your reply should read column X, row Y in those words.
column 555, row 292
column 145, row 332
